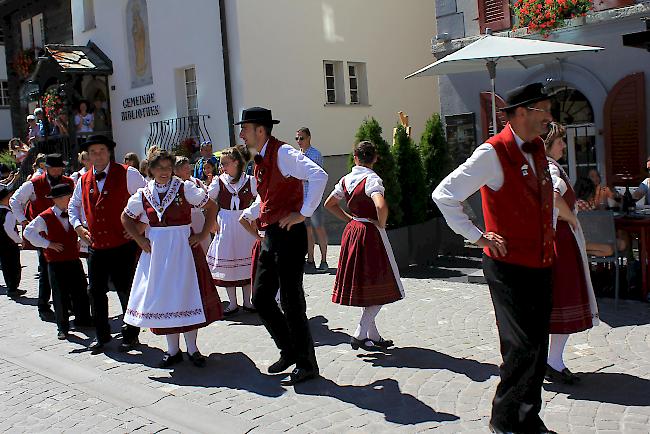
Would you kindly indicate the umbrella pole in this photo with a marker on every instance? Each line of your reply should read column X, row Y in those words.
column 492, row 70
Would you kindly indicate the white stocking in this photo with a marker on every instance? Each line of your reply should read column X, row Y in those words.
column 246, row 289
column 173, row 344
column 190, row 341
column 556, row 349
column 232, row 297
column 366, row 322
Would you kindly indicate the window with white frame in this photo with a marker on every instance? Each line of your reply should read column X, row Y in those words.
column 4, row 93
column 357, row 83
column 191, row 93
column 354, row 83
column 330, row 83
column 89, row 14
column 345, row 82
column 33, row 32
column 2, row 37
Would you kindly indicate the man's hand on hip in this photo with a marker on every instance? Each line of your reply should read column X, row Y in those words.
column 494, row 242
column 290, row 220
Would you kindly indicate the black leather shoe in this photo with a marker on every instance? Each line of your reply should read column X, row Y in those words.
column 497, row 430
column 565, row 376
column 16, row 293
column 197, row 359
column 249, row 309
column 61, row 335
column 299, row 375
column 169, row 360
column 97, row 346
column 128, row 345
column 281, row 365
column 46, row 315
column 382, row 343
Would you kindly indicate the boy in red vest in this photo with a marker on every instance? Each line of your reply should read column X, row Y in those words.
column 9, row 245
column 52, row 232
column 29, row 201
column 100, row 196
column 511, row 171
column 280, row 170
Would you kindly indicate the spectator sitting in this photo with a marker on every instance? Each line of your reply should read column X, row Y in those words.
column 131, row 159
column 84, row 121
column 18, row 149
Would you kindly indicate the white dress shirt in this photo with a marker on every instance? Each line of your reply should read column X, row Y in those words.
column 9, row 226
column 134, row 181
column 481, row 168
column 33, row 230
column 19, row 199
column 292, row 162
column 374, row 184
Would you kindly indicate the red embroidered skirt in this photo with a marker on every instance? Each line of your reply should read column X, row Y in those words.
column 209, row 296
column 571, row 312
column 364, row 276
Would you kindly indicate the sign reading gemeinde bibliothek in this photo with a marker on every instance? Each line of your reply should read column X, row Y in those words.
column 142, row 106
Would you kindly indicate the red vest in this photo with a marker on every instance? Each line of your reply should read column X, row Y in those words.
column 57, row 234
column 103, row 210
column 224, row 197
column 178, row 213
column 522, row 210
column 42, row 188
column 280, row 196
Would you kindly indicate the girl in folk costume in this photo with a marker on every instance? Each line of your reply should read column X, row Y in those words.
column 574, row 303
column 229, row 255
column 183, row 170
column 367, row 274
column 172, row 289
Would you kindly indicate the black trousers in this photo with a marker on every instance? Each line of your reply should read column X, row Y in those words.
column 44, row 289
column 11, row 270
column 280, row 265
column 117, row 264
column 522, row 299
column 68, row 283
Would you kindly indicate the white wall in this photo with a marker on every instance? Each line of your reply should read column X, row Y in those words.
column 181, row 34
column 5, row 114
column 277, row 49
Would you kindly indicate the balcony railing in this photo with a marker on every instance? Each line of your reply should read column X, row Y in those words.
column 170, row 133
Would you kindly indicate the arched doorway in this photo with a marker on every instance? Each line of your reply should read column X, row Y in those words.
column 572, row 109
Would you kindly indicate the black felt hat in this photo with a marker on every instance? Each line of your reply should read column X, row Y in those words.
column 97, row 139
column 60, row 190
column 257, row 115
column 4, row 191
column 54, row 160
column 527, row 94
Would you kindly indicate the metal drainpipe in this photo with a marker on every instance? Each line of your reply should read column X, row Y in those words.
column 226, row 72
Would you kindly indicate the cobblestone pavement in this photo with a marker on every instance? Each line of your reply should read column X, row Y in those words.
column 441, row 374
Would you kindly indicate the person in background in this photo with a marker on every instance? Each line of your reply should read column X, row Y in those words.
column 316, row 223
column 60, row 125
column 574, row 302
column 206, row 153
column 86, row 165
column 131, row 159
column 42, row 122
column 604, row 196
column 642, row 191
column 38, row 168
column 9, row 246
column 102, row 122
column 209, row 170
column 183, row 169
column 84, row 121
column 33, row 130
column 52, row 232
column 18, row 149
column 144, row 170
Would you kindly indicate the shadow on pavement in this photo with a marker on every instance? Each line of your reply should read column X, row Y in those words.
column 27, row 301
column 611, row 387
column 325, row 336
column 629, row 313
column 381, row 396
column 424, row 358
column 231, row 370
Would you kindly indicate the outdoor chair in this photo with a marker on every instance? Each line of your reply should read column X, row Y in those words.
column 598, row 227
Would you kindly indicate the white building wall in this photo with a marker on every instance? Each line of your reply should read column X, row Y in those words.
column 5, row 113
column 181, row 34
column 277, row 51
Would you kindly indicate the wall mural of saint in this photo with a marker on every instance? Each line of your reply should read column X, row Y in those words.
column 137, row 26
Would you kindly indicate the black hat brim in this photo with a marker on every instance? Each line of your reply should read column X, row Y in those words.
column 528, row 101
column 88, row 143
column 258, row 121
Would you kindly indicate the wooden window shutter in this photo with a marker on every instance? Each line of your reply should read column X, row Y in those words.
column 486, row 114
column 494, row 14
column 625, row 129
column 601, row 5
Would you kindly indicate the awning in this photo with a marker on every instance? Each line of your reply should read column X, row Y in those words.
column 639, row 39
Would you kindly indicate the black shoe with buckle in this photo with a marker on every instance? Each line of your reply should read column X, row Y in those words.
column 97, row 345
column 565, row 376
column 46, row 315
column 281, row 365
column 128, row 345
column 197, row 359
column 169, row 360
column 299, row 375
column 61, row 335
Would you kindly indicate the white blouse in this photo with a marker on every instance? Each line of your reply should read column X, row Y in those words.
column 374, row 184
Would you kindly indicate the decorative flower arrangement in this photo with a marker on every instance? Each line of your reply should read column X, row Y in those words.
column 24, row 63
column 546, row 15
column 186, row 147
column 52, row 103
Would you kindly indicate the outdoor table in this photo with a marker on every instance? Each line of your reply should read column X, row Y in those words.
column 637, row 223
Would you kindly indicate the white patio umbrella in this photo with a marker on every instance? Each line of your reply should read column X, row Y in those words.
column 514, row 53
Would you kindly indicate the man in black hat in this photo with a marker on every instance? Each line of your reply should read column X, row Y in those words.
column 512, row 173
column 52, row 232
column 100, row 196
column 29, row 201
column 280, row 170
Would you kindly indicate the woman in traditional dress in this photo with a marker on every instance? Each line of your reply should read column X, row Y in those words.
column 367, row 274
column 172, row 290
column 229, row 255
column 183, row 170
column 574, row 303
